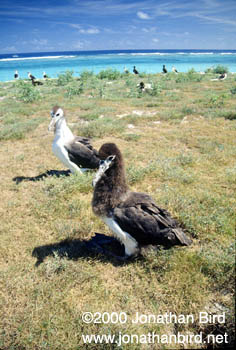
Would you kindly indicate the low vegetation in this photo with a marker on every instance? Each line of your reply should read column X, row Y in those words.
column 178, row 142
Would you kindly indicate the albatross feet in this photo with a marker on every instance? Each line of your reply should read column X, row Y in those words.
column 100, row 244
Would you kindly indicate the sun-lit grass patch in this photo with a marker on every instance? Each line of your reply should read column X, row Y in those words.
column 16, row 129
column 178, row 144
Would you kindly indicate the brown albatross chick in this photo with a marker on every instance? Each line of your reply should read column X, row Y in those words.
column 133, row 217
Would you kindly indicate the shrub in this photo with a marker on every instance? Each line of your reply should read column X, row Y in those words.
column 74, row 89
column 231, row 115
column 181, row 77
column 187, row 110
column 208, row 70
column 65, row 78
column 86, row 75
column 155, row 91
column 216, row 101
column 220, row 70
column 109, row 73
column 233, row 90
column 26, row 92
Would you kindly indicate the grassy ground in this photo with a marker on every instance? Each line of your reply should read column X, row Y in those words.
column 178, row 143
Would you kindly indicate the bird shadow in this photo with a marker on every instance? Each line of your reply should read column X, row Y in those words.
column 57, row 173
column 100, row 247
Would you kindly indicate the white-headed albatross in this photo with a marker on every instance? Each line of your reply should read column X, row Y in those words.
column 133, row 217
column 74, row 152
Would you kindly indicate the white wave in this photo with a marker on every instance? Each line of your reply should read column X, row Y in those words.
column 149, row 54
column 162, row 53
column 34, row 58
column 201, row 53
column 142, row 54
column 228, row 53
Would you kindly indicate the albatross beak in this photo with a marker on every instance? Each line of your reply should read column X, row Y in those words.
column 103, row 166
column 51, row 126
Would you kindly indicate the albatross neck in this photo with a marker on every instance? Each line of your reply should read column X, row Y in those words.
column 63, row 131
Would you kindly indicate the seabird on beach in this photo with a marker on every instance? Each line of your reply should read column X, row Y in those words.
column 45, row 75
column 36, row 82
column 30, row 76
column 76, row 153
column 164, row 70
column 135, row 70
column 174, row 69
column 144, row 87
column 16, row 75
column 222, row 76
column 133, row 217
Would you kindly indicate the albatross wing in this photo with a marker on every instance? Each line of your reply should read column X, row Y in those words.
column 139, row 216
column 81, row 152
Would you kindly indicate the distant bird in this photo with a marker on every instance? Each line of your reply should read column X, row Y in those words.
column 164, row 70
column 141, row 86
column 144, row 87
column 36, row 82
column 76, row 153
column 126, row 71
column 30, row 76
column 45, row 75
column 174, row 69
column 16, row 75
column 222, row 76
column 135, row 70
column 133, row 217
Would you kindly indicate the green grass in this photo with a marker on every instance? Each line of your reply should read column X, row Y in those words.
column 16, row 129
column 178, row 142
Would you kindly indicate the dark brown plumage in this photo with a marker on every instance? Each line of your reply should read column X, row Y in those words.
column 136, row 214
column 82, row 153
column 112, row 186
column 164, row 70
column 36, row 82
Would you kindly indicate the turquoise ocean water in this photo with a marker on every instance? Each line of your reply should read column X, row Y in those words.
column 147, row 61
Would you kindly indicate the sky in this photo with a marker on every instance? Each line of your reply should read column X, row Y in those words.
column 74, row 25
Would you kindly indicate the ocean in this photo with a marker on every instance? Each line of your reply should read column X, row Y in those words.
column 146, row 61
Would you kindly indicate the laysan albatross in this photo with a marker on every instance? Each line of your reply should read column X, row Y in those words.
column 133, row 217
column 74, row 152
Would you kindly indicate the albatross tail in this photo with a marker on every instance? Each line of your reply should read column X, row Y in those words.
column 181, row 238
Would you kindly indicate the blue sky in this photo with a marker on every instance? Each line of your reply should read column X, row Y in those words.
column 62, row 25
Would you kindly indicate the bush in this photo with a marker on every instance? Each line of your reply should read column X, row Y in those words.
column 26, row 92
column 216, row 100
column 220, row 70
column 155, row 91
column 181, row 77
column 65, row 78
column 86, row 75
column 74, row 89
column 230, row 115
column 233, row 90
column 109, row 73
column 192, row 75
